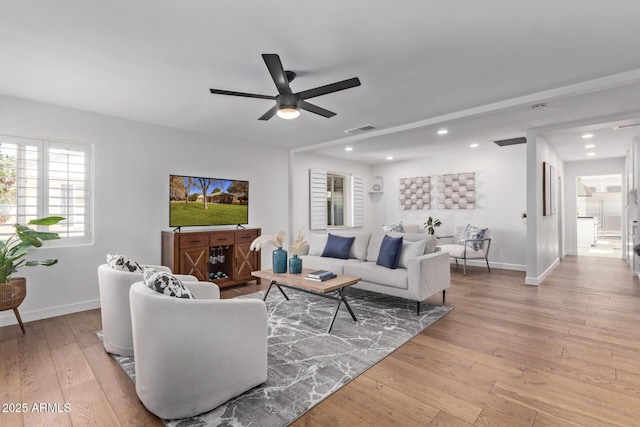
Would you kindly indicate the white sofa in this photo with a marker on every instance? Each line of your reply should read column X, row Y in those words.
column 192, row 355
column 424, row 275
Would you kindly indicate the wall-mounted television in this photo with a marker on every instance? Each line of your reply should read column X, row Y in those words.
column 200, row 201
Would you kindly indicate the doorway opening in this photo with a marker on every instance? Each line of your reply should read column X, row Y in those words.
column 599, row 215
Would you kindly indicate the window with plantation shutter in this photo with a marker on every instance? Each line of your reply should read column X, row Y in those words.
column 40, row 178
column 336, row 200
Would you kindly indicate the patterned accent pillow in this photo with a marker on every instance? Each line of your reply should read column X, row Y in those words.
column 411, row 250
column 165, row 283
column 397, row 228
column 470, row 233
column 123, row 263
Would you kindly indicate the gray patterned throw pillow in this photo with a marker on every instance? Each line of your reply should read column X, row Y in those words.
column 165, row 283
column 471, row 233
column 123, row 263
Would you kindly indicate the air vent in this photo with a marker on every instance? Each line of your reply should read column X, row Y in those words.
column 626, row 126
column 512, row 141
column 361, row 129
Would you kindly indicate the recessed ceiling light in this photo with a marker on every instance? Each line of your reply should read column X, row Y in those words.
column 442, row 131
column 591, row 153
column 389, row 157
column 474, row 145
column 587, row 136
column 348, row 148
column 589, row 145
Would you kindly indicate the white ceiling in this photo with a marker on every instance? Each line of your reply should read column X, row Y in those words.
column 472, row 67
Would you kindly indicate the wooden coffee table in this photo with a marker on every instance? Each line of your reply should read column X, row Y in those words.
column 323, row 289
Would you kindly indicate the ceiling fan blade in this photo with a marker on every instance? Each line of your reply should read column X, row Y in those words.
column 333, row 87
column 277, row 72
column 246, row 95
column 272, row 112
column 315, row 109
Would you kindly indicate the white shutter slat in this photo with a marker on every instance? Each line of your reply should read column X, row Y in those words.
column 317, row 199
column 358, row 201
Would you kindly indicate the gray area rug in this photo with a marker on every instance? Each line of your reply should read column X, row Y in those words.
column 305, row 364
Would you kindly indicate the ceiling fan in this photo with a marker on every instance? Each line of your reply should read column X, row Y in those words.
column 289, row 104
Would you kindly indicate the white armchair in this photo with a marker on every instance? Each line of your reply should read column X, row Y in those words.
column 114, row 306
column 192, row 355
column 461, row 248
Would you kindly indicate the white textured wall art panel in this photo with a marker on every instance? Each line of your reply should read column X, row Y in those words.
column 457, row 191
column 414, row 193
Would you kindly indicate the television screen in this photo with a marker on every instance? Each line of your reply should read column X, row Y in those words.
column 198, row 201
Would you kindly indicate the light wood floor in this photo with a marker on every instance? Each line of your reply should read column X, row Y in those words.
column 564, row 353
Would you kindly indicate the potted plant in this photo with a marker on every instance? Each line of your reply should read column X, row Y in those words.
column 12, row 256
column 431, row 225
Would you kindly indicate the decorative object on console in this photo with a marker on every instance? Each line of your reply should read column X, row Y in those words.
column 457, row 191
column 12, row 253
column 415, row 193
column 431, row 225
column 218, row 275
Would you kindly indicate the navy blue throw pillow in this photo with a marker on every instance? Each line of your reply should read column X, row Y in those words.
column 390, row 251
column 338, row 246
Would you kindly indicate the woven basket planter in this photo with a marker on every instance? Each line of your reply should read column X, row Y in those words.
column 11, row 296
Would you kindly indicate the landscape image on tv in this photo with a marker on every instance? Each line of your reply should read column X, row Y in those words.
column 198, row 201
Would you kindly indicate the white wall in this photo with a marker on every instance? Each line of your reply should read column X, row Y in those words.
column 543, row 232
column 612, row 166
column 301, row 163
column 501, row 197
column 133, row 161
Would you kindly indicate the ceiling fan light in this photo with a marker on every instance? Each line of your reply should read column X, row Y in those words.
column 288, row 113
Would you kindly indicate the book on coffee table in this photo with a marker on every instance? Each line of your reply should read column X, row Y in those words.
column 319, row 274
column 321, row 279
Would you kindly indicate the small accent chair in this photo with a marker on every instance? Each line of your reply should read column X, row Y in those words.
column 192, row 355
column 114, row 306
column 460, row 249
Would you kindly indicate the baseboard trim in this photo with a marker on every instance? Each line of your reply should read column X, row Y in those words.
column 498, row 265
column 535, row 281
column 7, row 318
